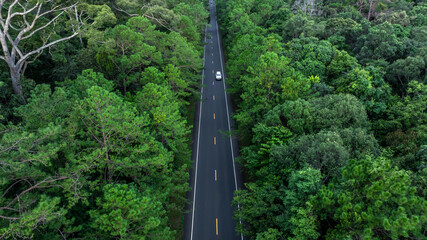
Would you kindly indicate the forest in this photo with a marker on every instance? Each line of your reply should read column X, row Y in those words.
column 330, row 100
column 96, row 109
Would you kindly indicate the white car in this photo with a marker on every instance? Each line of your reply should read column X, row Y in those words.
column 218, row 76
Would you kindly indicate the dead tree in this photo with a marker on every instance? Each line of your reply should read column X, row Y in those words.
column 20, row 20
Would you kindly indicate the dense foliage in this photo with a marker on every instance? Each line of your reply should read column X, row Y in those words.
column 97, row 145
column 331, row 101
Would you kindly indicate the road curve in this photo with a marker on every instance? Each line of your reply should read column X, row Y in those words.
column 214, row 176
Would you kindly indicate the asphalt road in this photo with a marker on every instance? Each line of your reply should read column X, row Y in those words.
column 215, row 176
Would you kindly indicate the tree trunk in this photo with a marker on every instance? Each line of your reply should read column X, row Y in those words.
column 371, row 5
column 360, row 6
column 17, row 87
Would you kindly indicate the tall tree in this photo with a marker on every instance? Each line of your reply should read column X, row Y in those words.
column 271, row 81
column 25, row 19
column 126, row 212
column 372, row 200
column 124, row 53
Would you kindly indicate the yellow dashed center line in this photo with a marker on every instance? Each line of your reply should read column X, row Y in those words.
column 216, row 226
column 213, row 97
column 214, row 115
column 214, row 140
column 215, row 175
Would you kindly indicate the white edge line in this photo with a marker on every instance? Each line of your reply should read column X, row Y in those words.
column 198, row 140
column 228, row 116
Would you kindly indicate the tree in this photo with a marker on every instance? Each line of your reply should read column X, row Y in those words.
column 117, row 136
column 402, row 71
column 39, row 178
column 404, row 130
column 330, row 112
column 340, row 64
column 45, row 107
column 270, row 234
column 369, row 86
column 294, row 115
column 268, row 207
column 256, row 157
column 242, row 24
column 164, row 110
column 301, row 24
column 244, row 53
column 126, row 212
column 372, row 200
column 400, row 18
column 324, row 151
column 311, row 8
column 338, row 111
column 271, row 81
column 381, row 42
column 32, row 181
column 25, row 19
column 345, row 27
column 279, row 15
column 418, row 15
column 259, row 206
column 304, row 224
column 192, row 20
column 410, row 112
column 326, row 147
column 177, row 83
column 162, row 16
column 176, row 50
column 309, row 55
column 125, row 53
column 302, row 185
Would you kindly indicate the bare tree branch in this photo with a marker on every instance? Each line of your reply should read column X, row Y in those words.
column 10, row 15
column 31, row 188
column 144, row 15
column 1, row 7
column 42, row 27
column 157, row 20
column 10, row 218
column 129, row 14
column 62, row 234
column 15, row 48
column 7, row 190
column 44, row 47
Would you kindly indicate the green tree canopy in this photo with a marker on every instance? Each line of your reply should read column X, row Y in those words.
column 372, row 200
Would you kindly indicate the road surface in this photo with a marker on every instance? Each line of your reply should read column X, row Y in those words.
column 215, row 176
